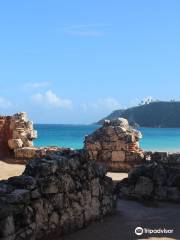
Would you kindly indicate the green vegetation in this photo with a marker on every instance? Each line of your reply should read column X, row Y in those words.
column 153, row 114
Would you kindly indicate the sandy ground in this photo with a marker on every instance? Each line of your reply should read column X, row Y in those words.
column 129, row 215
column 9, row 170
column 117, row 176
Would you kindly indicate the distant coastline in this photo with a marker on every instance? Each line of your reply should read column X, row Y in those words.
column 157, row 114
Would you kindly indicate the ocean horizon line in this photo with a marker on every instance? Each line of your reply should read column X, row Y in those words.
column 70, row 124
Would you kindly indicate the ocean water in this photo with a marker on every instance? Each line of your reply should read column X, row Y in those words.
column 160, row 139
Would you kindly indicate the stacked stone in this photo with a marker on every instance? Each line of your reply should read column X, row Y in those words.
column 170, row 158
column 55, row 195
column 22, row 131
column 115, row 144
column 154, row 181
column 5, row 134
column 26, row 153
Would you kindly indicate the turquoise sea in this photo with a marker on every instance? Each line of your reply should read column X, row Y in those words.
column 161, row 139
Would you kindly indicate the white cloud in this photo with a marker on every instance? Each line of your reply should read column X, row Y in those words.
column 107, row 104
column 86, row 30
column 5, row 103
column 51, row 99
column 37, row 84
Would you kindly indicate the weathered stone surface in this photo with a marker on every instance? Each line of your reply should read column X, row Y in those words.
column 7, row 228
column 5, row 135
column 115, row 144
column 151, row 181
column 18, row 196
column 23, row 182
column 15, row 143
column 23, row 129
column 16, row 132
column 25, row 152
column 144, row 187
column 169, row 158
column 118, row 156
column 57, row 194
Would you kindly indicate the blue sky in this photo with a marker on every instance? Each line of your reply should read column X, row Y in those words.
column 76, row 61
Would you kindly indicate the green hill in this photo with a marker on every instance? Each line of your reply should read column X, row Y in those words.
column 154, row 114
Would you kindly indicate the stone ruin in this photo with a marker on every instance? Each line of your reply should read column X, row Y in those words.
column 16, row 132
column 55, row 195
column 151, row 181
column 168, row 158
column 115, row 144
column 63, row 190
column 5, row 135
column 16, row 139
column 23, row 133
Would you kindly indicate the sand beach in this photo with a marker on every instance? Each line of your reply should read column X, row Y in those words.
column 10, row 170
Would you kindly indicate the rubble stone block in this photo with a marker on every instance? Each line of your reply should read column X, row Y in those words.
column 15, row 143
column 25, row 152
column 15, row 132
column 118, row 156
column 118, row 144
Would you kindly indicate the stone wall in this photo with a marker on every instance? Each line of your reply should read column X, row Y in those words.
column 116, row 144
column 5, row 135
column 172, row 159
column 23, row 133
column 16, row 132
column 55, row 195
column 151, row 182
column 27, row 153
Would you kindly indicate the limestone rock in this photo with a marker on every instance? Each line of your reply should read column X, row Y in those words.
column 25, row 152
column 16, row 132
column 121, row 122
column 118, row 156
column 15, row 143
column 116, row 144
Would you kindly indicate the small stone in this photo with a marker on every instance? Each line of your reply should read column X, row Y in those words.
column 144, row 187
column 18, row 196
column 23, row 182
column 25, row 152
column 95, row 186
column 35, row 194
column 7, row 227
column 54, row 220
column 15, row 143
